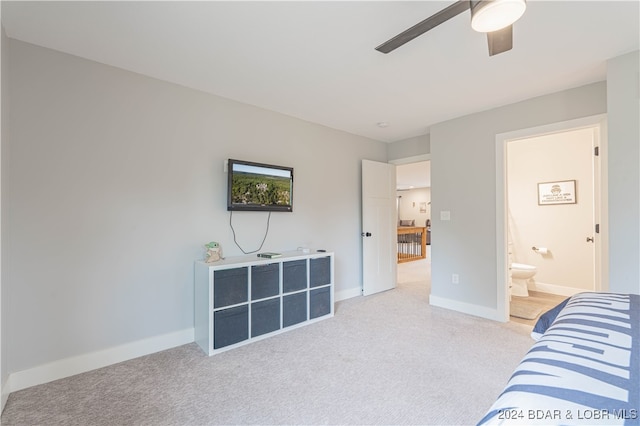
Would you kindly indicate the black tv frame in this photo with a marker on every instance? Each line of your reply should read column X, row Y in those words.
column 257, row 207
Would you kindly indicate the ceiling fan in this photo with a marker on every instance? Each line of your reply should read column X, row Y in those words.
column 494, row 17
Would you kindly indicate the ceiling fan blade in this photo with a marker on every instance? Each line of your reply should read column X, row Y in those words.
column 424, row 26
column 500, row 41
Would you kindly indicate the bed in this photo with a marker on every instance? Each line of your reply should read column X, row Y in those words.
column 584, row 368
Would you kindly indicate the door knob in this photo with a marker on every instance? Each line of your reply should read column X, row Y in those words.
column 589, row 239
column 366, row 234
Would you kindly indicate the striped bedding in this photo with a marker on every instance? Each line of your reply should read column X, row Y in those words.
column 583, row 370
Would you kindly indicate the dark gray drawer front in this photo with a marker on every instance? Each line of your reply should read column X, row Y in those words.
column 265, row 317
column 294, row 309
column 265, row 281
column 230, row 326
column 319, row 302
column 294, row 275
column 230, row 286
column 320, row 271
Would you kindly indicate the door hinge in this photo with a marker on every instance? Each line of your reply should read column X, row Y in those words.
column 597, row 228
column 596, row 151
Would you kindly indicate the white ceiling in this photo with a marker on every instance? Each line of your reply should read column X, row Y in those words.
column 316, row 60
column 413, row 175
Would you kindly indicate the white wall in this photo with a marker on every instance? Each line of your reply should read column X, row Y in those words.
column 463, row 177
column 409, row 205
column 561, row 228
column 116, row 181
column 623, row 105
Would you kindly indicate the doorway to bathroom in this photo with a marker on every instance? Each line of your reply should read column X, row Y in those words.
column 549, row 209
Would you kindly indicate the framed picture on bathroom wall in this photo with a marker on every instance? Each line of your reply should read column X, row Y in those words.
column 560, row 192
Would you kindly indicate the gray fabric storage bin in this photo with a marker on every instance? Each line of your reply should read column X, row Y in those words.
column 294, row 275
column 230, row 287
column 320, row 271
column 230, row 326
column 265, row 316
column 265, row 281
column 319, row 302
column 294, row 309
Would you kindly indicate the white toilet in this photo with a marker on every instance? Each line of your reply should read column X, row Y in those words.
column 521, row 273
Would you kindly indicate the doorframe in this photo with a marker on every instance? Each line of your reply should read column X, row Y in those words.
column 600, row 181
column 409, row 160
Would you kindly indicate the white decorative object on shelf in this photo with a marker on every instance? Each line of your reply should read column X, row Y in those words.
column 242, row 299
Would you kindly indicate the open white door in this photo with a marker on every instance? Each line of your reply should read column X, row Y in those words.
column 379, row 227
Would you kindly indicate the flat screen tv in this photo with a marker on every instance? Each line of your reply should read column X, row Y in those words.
column 259, row 187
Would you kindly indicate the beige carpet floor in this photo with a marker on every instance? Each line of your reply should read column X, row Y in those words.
column 390, row 358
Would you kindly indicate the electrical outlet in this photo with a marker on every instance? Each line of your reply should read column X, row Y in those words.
column 445, row 215
column 455, row 278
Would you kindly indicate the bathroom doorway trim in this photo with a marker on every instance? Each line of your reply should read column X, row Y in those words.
column 600, row 179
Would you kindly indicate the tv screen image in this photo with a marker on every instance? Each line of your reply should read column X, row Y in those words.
column 259, row 187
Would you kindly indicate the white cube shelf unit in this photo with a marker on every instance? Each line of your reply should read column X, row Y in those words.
column 242, row 299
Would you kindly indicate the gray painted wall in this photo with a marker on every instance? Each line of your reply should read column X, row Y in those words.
column 116, row 181
column 463, row 176
column 4, row 162
column 623, row 106
column 411, row 147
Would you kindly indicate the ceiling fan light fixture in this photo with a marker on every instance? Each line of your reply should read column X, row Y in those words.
column 493, row 15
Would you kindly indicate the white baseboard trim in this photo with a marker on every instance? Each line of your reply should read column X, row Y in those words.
column 466, row 308
column 348, row 293
column 555, row 289
column 82, row 363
